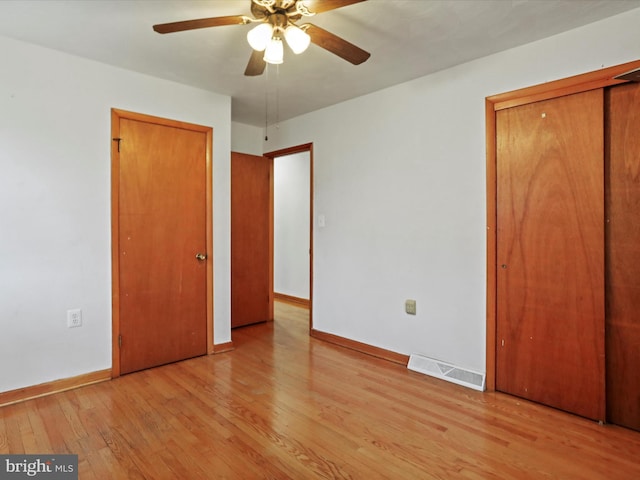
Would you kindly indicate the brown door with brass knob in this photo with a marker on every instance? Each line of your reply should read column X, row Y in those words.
column 162, row 241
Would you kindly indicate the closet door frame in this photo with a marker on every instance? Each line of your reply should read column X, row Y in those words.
column 580, row 83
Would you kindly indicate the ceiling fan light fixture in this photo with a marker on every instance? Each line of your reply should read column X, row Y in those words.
column 259, row 37
column 274, row 22
column 297, row 39
column 274, row 53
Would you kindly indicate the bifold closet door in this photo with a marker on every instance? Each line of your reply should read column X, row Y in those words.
column 550, row 253
column 623, row 255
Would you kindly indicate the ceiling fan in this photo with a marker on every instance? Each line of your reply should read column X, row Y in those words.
column 276, row 20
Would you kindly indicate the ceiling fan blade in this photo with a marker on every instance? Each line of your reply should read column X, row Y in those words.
column 201, row 23
column 319, row 6
column 256, row 64
column 336, row 45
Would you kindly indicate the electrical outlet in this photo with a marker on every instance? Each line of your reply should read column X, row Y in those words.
column 410, row 307
column 74, row 318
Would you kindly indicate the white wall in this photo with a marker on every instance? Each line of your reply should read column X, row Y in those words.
column 291, row 202
column 55, row 251
column 400, row 177
column 246, row 138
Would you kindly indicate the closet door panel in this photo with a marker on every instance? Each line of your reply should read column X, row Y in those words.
column 550, row 253
column 623, row 255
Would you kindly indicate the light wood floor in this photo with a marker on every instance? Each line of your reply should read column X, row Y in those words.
column 284, row 406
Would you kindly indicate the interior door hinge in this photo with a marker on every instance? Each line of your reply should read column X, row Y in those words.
column 119, row 340
column 118, row 140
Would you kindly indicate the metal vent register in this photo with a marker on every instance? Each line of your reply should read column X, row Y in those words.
column 446, row 371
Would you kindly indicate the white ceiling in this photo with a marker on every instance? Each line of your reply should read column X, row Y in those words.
column 407, row 39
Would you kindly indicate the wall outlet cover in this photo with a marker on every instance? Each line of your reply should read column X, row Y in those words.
column 410, row 307
column 74, row 318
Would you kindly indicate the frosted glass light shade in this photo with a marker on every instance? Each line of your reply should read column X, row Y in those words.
column 258, row 37
column 297, row 39
column 274, row 53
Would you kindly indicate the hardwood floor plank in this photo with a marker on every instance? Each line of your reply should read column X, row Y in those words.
column 284, row 406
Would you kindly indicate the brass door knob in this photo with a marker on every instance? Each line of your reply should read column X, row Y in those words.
column 201, row 256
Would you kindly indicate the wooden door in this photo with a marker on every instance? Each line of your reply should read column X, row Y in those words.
column 162, row 225
column 623, row 255
column 251, row 239
column 550, row 253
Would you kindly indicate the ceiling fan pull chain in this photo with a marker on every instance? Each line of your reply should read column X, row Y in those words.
column 266, row 106
column 277, row 96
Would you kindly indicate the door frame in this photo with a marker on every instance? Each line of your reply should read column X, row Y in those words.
column 305, row 147
column 116, row 115
column 545, row 91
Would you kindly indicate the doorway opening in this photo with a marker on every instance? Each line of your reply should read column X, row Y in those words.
column 291, row 229
column 252, row 234
column 293, row 226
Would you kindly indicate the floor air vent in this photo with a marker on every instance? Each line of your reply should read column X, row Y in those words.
column 446, row 371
